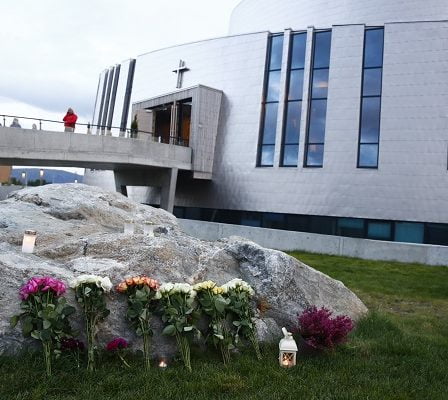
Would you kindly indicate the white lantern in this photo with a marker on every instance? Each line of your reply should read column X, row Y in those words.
column 129, row 227
column 288, row 350
column 29, row 239
column 148, row 228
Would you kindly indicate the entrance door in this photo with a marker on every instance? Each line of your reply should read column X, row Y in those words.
column 162, row 123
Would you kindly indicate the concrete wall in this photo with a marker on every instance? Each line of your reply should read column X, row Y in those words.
column 5, row 190
column 325, row 244
column 276, row 15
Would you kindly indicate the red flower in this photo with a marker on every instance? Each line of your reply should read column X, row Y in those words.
column 117, row 344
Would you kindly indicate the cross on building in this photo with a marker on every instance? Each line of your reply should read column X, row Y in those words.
column 180, row 71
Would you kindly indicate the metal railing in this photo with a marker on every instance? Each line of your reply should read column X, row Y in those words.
column 93, row 129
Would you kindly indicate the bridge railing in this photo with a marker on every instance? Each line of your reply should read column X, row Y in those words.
column 38, row 124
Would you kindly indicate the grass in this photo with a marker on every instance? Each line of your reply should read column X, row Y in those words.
column 399, row 351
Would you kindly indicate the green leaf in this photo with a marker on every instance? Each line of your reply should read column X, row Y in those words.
column 27, row 326
column 14, row 320
column 35, row 335
column 188, row 328
column 87, row 290
column 46, row 324
column 169, row 330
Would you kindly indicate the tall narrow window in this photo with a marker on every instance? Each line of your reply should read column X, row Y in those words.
column 315, row 140
column 270, row 102
column 293, row 109
column 369, row 131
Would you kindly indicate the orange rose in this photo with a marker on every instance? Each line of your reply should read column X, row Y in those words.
column 122, row 287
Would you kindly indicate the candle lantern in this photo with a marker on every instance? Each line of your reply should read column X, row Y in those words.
column 29, row 240
column 129, row 226
column 288, row 350
column 148, row 228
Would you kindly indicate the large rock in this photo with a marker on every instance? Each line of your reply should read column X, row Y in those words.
column 80, row 229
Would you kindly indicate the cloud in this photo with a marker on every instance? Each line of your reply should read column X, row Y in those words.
column 54, row 51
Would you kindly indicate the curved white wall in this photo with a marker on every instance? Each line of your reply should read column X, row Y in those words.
column 277, row 15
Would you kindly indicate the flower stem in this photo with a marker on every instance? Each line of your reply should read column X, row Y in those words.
column 47, row 357
column 253, row 339
column 146, row 351
column 184, row 347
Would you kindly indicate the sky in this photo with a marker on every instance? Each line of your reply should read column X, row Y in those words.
column 52, row 51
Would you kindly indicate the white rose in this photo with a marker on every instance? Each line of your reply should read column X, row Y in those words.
column 106, row 284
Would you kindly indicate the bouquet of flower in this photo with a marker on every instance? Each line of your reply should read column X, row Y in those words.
column 118, row 346
column 239, row 293
column 179, row 313
column 44, row 314
column 211, row 300
column 89, row 292
column 141, row 292
column 73, row 347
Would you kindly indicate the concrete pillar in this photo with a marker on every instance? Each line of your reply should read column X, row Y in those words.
column 168, row 192
column 120, row 183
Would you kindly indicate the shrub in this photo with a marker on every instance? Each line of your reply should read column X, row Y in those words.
column 321, row 331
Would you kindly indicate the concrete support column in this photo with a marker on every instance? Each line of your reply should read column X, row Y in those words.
column 168, row 192
column 120, row 183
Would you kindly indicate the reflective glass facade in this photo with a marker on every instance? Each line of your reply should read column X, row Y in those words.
column 369, row 131
column 293, row 109
column 315, row 140
column 271, row 101
column 398, row 231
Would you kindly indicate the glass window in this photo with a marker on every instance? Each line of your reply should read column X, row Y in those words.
column 373, row 48
column 372, row 82
column 323, row 225
column 320, row 84
column 410, row 232
column 267, row 156
column 318, row 113
column 322, row 47
column 351, row 227
column 370, row 120
column 270, row 123
column 315, row 155
column 298, row 223
column 290, row 155
column 437, row 234
column 368, row 155
column 369, row 135
column 298, row 51
column 273, row 221
column 276, row 52
column 273, row 86
column 249, row 218
column 293, row 116
column 314, row 152
column 295, row 85
column 379, row 230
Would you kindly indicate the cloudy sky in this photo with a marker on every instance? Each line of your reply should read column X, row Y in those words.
column 52, row 51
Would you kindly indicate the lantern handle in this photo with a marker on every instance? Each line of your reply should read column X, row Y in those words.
column 286, row 334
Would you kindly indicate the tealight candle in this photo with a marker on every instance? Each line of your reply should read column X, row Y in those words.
column 29, row 239
column 163, row 364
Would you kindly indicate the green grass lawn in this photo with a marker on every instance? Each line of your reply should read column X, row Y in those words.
column 399, row 351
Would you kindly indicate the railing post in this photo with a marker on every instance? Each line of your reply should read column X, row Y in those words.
column 40, row 124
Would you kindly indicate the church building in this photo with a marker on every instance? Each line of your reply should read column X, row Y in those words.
column 322, row 116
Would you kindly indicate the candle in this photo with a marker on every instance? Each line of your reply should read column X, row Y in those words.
column 163, row 364
column 29, row 239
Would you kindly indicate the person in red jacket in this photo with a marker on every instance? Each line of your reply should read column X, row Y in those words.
column 70, row 120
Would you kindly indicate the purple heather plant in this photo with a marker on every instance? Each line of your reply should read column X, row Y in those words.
column 321, row 331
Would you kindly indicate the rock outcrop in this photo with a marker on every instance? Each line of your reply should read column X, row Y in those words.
column 80, row 230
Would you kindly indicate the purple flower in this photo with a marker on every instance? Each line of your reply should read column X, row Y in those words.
column 45, row 284
column 321, row 331
column 117, row 344
column 71, row 344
